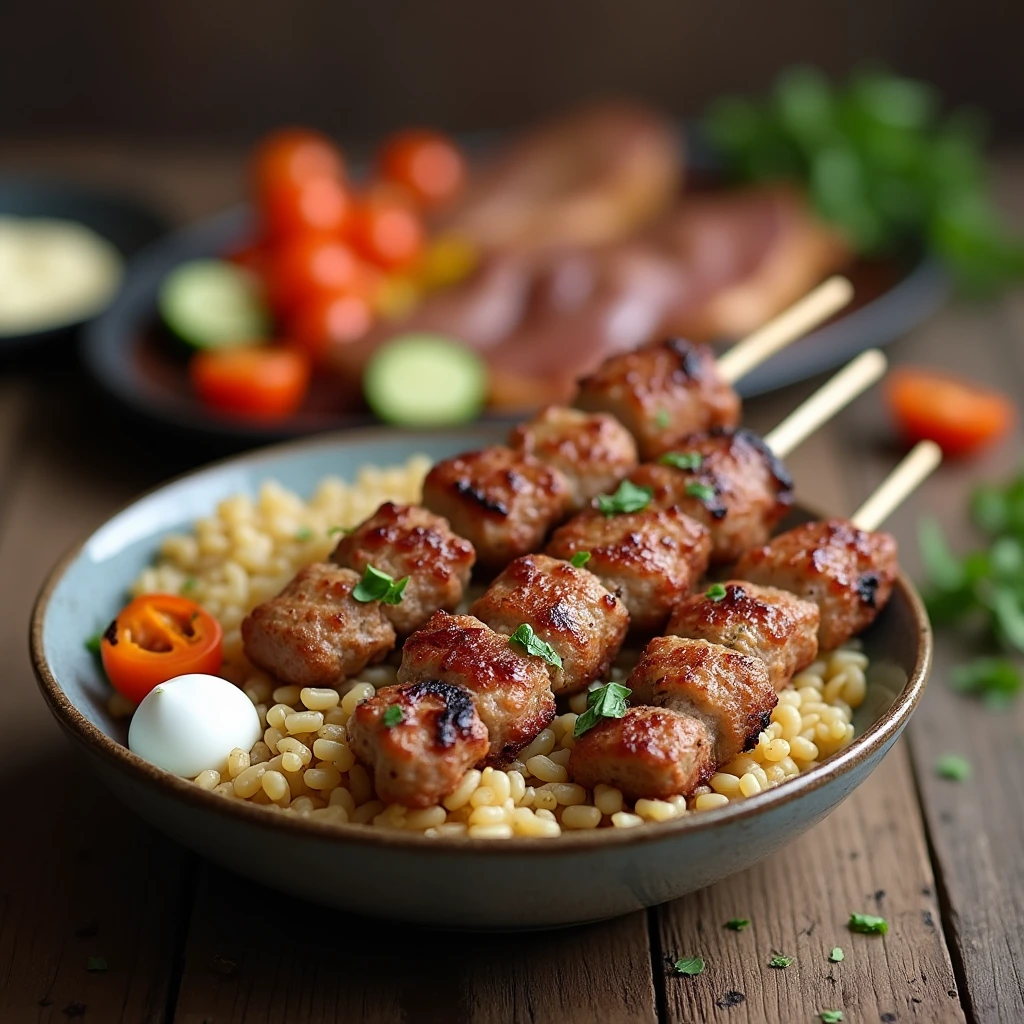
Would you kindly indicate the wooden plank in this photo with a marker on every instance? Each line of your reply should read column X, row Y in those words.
column 256, row 957
column 81, row 877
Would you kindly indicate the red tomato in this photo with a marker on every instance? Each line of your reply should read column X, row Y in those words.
column 258, row 383
column 311, row 265
column 328, row 320
column 319, row 205
column 294, row 156
column 387, row 230
column 956, row 414
column 426, row 163
column 155, row 638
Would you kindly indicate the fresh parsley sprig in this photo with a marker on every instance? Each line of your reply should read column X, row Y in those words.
column 379, row 586
column 689, row 461
column 527, row 639
column 627, row 498
column 608, row 701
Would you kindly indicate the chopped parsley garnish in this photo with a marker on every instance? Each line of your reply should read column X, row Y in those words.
column 96, row 963
column 393, row 715
column 780, row 961
column 703, row 492
column 662, row 418
column 525, row 637
column 868, row 924
column 628, row 498
column 341, row 529
column 830, row 1016
column 953, row 767
column 303, row 534
column 608, row 701
column 716, row 592
column 837, row 955
column 379, row 586
column 189, row 585
column 737, row 924
column 689, row 965
column 92, row 643
column 682, row 460
column 580, row 559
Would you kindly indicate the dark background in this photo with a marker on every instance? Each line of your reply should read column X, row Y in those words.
column 225, row 70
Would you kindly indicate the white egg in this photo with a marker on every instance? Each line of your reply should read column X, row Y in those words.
column 192, row 722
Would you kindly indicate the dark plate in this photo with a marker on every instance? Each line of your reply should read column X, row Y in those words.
column 128, row 224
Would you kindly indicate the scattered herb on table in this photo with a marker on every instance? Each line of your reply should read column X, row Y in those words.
column 525, row 637
column 96, row 963
column 379, row 586
column 737, row 924
column 689, row 965
column 393, row 715
column 830, row 1016
column 702, row 492
column 716, row 592
column 627, row 498
column 837, row 955
column 781, row 962
column 607, row 701
column 580, row 559
column 682, row 460
column 868, row 924
column 303, row 534
column 953, row 767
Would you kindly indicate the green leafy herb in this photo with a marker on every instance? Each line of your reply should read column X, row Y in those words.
column 703, row 492
column 303, row 534
column 953, row 767
column 780, row 961
column 996, row 680
column 580, row 559
column 341, row 529
column 92, row 643
column 682, row 460
column 716, row 592
column 830, row 1016
column 628, row 498
column 379, row 586
column 525, row 637
column 607, row 701
column 689, row 965
column 837, row 955
column 96, row 963
column 662, row 418
column 868, row 924
column 189, row 585
column 393, row 715
column 737, row 924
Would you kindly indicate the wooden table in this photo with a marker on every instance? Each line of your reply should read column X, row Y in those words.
column 187, row 942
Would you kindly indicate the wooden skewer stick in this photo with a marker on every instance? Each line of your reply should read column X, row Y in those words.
column 813, row 309
column 922, row 460
column 842, row 389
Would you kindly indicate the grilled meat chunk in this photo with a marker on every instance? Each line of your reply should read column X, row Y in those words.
column 502, row 501
column 594, row 452
column 650, row 752
column 848, row 572
column 406, row 540
column 740, row 491
column 774, row 625
column 728, row 691
column 420, row 759
column 314, row 633
column 650, row 559
column 661, row 393
column 511, row 690
column 567, row 608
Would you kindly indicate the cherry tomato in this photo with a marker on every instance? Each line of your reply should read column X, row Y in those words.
column 258, row 383
column 294, row 156
column 387, row 230
column 426, row 163
column 327, row 320
column 155, row 638
column 318, row 205
column 312, row 265
column 956, row 414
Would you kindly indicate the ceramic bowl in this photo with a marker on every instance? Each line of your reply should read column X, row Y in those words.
column 452, row 882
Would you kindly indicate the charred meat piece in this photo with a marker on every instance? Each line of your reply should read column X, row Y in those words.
column 848, row 572
column 737, row 488
column 650, row 559
column 728, row 691
column 594, row 452
column 650, row 752
column 406, row 540
column 420, row 752
column 567, row 608
column 511, row 690
column 662, row 393
column 502, row 501
column 314, row 633
column 774, row 625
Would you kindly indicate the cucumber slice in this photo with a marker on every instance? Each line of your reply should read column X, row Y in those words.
column 422, row 380
column 213, row 304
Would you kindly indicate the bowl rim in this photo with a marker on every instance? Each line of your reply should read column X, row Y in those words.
column 875, row 738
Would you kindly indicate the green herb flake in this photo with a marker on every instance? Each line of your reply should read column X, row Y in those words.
column 702, row 492
column 691, row 966
column 92, row 643
column 341, row 529
column 781, row 962
column 607, row 701
column 830, row 1016
column 393, row 715
column 303, row 534
column 837, row 955
column 580, row 559
column 690, row 461
column 628, row 498
column 953, row 767
column 189, row 585
column 868, row 924
column 96, row 963
column 662, row 418
column 379, row 586
column 716, row 592
column 525, row 637
column 737, row 924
